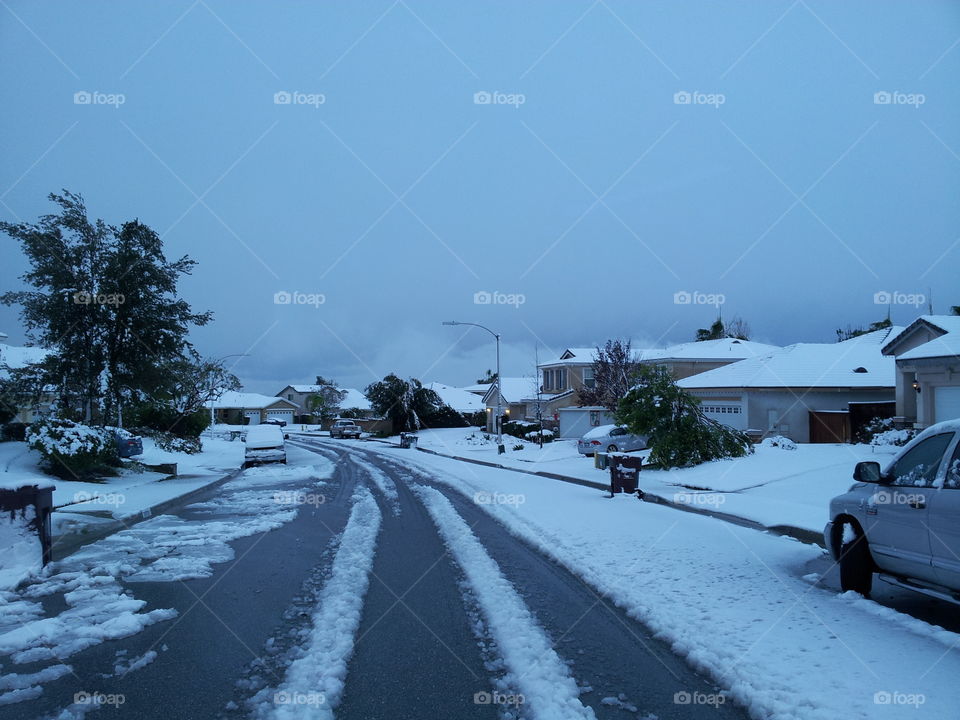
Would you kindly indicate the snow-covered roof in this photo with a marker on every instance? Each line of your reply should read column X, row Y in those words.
column 14, row 358
column 233, row 399
column 726, row 349
column 857, row 362
column 477, row 388
column 353, row 400
column 946, row 345
column 459, row 399
column 514, row 389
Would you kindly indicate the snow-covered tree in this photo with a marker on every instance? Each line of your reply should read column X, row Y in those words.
column 406, row 402
column 324, row 403
column 104, row 301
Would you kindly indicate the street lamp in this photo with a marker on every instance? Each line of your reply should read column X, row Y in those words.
column 500, row 449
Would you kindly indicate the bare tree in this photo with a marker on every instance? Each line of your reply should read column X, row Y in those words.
column 614, row 371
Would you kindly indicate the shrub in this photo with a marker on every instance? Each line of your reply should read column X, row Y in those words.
column 172, row 443
column 15, row 431
column 518, row 447
column 164, row 419
column 73, row 451
column 518, row 428
column 880, row 431
column 537, row 434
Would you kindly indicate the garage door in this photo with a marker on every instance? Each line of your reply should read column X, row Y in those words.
column 946, row 403
column 285, row 415
column 730, row 414
column 252, row 416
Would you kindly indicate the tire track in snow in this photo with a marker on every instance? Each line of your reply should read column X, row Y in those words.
column 534, row 668
column 313, row 684
column 384, row 484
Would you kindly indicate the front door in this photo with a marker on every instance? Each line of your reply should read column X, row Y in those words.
column 945, row 525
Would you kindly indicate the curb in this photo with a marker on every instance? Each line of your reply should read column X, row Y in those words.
column 797, row 533
column 67, row 544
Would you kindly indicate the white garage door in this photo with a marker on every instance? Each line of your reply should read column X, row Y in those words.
column 730, row 414
column 285, row 415
column 252, row 416
column 946, row 403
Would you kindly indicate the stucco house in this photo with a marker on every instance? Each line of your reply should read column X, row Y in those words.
column 563, row 376
column 13, row 357
column 242, row 408
column 517, row 400
column 301, row 394
column 927, row 354
column 809, row 392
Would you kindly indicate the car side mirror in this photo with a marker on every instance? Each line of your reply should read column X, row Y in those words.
column 867, row 471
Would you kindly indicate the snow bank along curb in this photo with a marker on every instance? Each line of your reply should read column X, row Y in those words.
column 802, row 534
column 314, row 682
column 534, row 668
column 68, row 543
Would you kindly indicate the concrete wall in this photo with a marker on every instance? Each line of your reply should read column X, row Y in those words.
column 575, row 422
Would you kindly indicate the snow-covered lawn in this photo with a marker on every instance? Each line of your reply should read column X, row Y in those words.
column 732, row 600
column 773, row 486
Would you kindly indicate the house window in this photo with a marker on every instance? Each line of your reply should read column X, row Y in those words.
column 561, row 379
column 588, row 380
column 290, row 396
column 595, row 418
column 546, row 379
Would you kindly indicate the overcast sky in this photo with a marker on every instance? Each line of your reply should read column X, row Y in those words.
column 589, row 162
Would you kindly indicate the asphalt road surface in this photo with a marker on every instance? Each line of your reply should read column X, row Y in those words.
column 422, row 649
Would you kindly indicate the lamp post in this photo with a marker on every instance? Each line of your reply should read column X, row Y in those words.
column 500, row 449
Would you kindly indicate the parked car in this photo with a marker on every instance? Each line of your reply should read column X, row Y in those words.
column 275, row 421
column 265, row 444
column 903, row 521
column 345, row 429
column 610, row 438
column 127, row 443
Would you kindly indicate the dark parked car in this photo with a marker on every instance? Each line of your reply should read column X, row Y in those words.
column 128, row 444
column 274, row 421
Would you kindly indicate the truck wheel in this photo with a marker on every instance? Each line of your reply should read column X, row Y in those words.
column 856, row 566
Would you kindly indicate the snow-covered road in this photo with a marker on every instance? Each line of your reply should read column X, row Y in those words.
column 363, row 581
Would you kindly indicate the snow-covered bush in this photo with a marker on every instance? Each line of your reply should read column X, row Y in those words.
column 880, row 431
column 536, row 434
column 72, row 451
column 779, row 441
column 172, row 443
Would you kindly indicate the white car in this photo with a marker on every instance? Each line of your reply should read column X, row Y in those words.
column 610, row 438
column 265, row 444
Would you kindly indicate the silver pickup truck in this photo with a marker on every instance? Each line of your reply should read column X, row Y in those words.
column 345, row 429
column 903, row 521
